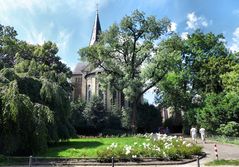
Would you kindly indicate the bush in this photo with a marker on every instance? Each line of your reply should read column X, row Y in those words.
column 114, row 132
column 77, row 118
column 114, row 117
column 95, row 114
column 148, row 119
column 160, row 146
column 230, row 129
column 218, row 110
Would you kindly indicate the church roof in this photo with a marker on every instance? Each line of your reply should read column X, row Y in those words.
column 96, row 30
column 79, row 68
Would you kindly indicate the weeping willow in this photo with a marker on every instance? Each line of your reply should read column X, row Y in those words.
column 58, row 101
column 33, row 113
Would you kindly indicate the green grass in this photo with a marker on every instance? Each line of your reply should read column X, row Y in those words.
column 86, row 147
column 224, row 139
column 223, row 162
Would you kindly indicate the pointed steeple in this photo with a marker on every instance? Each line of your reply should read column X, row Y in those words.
column 96, row 29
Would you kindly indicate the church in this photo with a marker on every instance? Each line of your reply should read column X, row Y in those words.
column 85, row 79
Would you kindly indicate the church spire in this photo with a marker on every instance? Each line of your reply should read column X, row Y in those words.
column 96, row 29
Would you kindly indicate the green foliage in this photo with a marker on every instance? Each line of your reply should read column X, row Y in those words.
column 189, row 120
column 77, row 118
column 149, row 118
column 24, row 123
column 95, row 113
column 204, row 70
column 229, row 129
column 34, row 95
column 56, row 98
column 221, row 109
column 114, row 119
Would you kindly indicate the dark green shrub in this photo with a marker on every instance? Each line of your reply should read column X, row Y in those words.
column 230, row 129
column 95, row 114
column 149, row 118
column 114, row 117
column 77, row 118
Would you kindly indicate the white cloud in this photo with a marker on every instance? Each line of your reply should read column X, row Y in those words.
column 194, row 22
column 235, row 41
column 82, row 7
column 63, row 39
column 184, row 35
column 172, row 27
column 28, row 5
column 36, row 38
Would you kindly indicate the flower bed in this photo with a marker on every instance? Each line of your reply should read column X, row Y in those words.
column 158, row 146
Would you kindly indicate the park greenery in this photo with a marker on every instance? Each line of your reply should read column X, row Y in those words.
column 125, row 148
column 157, row 145
column 223, row 162
column 196, row 77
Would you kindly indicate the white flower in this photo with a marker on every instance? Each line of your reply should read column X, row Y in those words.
column 157, row 149
column 146, row 145
column 135, row 143
column 189, row 145
column 112, row 146
column 167, row 145
column 134, row 156
column 127, row 149
column 164, row 154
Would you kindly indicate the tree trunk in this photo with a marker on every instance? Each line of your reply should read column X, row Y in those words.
column 134, row 118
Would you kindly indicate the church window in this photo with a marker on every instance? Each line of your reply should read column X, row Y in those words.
column 89, row 93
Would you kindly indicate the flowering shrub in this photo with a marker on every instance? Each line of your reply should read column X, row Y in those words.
column 159, row 146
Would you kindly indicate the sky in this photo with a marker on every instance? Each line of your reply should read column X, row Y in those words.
column 69, row 23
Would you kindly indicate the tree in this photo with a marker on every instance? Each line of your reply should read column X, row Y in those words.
column 95, row 114
column 130, row 58
column 203, row 59
column 34, row 95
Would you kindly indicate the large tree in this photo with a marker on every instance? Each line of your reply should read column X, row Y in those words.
column 204, row 59
column 34, row 95
column 129, row 55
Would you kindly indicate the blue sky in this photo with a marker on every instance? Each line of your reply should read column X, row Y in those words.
column 69, row 22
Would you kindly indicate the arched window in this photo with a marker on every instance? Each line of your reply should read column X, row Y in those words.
column 88, row 93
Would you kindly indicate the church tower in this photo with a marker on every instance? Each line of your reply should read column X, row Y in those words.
column 96, row 29
column 85, row 80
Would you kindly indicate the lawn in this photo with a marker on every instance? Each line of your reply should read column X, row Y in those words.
column 87, row 147
column 134, row 148
column 223, row 162
column 224, row 139
column 160, row 146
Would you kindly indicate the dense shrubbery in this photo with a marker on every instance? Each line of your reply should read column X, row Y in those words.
column 218, row 114
column 229, row 129
column 160, row 146
column 93, row 119
column 149, row 118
